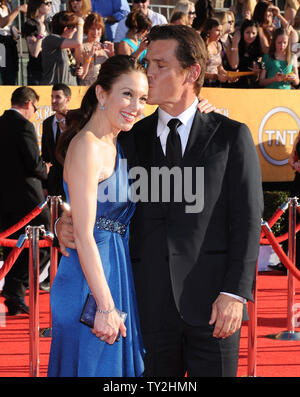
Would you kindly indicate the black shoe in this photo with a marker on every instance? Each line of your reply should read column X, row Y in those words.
column 45, row 286
column 278, row 268
column 16, row 306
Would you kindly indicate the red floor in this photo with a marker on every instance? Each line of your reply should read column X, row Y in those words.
column 274, row 358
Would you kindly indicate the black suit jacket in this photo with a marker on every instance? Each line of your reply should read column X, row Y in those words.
column 54, row 183
column 195, row 256
column 23, row 170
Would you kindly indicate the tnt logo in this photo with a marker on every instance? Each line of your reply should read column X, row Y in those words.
column 277, row 133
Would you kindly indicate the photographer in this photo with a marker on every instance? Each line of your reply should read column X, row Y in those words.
column 59, row 64
column 92, row 53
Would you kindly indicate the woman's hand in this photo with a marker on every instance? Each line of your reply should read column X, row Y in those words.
column 108, row 326
column 296, row 166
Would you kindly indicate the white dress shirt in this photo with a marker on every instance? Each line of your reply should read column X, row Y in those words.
column 184, row 129
column 54, row 126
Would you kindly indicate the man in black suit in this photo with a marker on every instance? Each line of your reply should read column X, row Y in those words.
column 21, row 191
column 193, row 263
column 52, row 128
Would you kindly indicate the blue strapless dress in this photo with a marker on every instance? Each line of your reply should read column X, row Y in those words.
column 75, row 351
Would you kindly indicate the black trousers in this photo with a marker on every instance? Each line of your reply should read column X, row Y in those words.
column 179, row 348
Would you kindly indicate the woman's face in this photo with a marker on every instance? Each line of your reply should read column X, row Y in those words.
column 250, row 34
column 76, row 6
column 191, row 14
column 125, row 102
column 230, row 23
column 269, row 15
column 281, row 43
column 215, row 33
column 94, row 32
column 45, row 7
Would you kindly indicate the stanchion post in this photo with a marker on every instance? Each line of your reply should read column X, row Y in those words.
column 290, row 333
column 54, row 203
column 33, row 232
column 252, row 331
column 292, row 257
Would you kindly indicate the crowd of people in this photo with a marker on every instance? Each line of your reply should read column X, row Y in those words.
column 252, row 44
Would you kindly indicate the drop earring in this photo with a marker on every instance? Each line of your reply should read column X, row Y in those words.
column 102, row 107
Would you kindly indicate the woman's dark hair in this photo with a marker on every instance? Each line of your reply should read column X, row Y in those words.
column 254, row 49
column 208, row 26
column 62, row 20
column 33, row 6
column 272, row 48
column 204, row 10
column 113, row 68
column 138, row 22
column 259, row 12
column 190, row 50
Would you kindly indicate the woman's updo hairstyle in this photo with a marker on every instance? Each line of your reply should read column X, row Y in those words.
column 110, row 71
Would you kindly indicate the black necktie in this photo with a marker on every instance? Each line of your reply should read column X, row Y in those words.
column 57, row 133
column 174, row 150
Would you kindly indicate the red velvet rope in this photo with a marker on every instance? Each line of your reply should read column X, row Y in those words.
column 15, row 252
column 280, row 253
column 35, row 212
column 10, row 260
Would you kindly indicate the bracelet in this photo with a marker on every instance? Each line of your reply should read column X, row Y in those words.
column 233, row 48
column 105, row 311
column 39, row 36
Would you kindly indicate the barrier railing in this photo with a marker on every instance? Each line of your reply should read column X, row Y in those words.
column 267, row 237
column 31, row 240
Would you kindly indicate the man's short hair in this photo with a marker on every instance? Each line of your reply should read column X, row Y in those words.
column 62, row 20
column 63, row 87
column 22, row 95
column 191, row 48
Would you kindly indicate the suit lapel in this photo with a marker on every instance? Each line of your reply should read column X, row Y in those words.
column 203, row 129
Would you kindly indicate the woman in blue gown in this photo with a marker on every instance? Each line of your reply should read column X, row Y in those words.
column 96, row 184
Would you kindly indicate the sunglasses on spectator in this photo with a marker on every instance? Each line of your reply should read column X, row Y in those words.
column 139, row 1
column 34, row 107
column 47, row 3
column 192, row 12
column 231, row 22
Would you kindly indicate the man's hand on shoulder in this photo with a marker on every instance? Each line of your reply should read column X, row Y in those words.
column 64, row 232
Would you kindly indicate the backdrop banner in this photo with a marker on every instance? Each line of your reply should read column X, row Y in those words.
column 272, row 116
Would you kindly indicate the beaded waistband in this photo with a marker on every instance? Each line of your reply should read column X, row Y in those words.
column 110, row 225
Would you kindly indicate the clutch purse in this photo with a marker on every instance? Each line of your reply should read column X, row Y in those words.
column 88, row 313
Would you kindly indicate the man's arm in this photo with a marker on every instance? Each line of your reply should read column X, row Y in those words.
column 246, row 206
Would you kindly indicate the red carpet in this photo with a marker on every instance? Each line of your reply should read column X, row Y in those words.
column 275, row 358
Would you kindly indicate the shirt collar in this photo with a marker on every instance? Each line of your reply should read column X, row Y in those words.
column 184, row 117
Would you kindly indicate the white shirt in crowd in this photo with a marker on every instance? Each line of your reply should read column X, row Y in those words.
column 155, row 18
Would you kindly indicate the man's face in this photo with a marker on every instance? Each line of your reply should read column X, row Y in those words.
column 142, row 6
column 165, row 75
column 59, row 101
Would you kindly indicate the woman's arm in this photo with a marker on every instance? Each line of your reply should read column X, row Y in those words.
column 124, row 48
column 82, row 172
column 233, row 53
column 77, row 40
column 34, row 44
column 4, row 21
